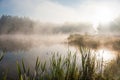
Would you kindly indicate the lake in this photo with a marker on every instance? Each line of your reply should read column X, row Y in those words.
column 29, row 47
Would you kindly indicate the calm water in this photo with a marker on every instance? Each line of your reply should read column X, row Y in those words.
column 29, row 48
column 41, row 47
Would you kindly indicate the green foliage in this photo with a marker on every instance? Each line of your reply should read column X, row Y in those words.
column 5, row 75
column 112, row 70
column 66, row 68
column 1, row 56
column 88, row 64
column 84, row 40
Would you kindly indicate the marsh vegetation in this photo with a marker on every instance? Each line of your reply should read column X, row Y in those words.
column 67, row 68
column 38, row 51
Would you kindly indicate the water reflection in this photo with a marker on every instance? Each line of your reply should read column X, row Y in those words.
column 43, row 50
column 105, row 55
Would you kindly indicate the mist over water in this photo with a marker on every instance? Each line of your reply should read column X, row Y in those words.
column 22, row 38
column 83, row 34
column 24, row 42
column 28, row 48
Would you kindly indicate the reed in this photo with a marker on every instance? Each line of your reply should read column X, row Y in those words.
column 1, row 56
column 66, row 68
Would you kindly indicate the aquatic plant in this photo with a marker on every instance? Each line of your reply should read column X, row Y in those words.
column 66, row 68
column 1, row 56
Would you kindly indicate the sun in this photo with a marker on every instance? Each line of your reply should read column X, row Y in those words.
column 102, row 15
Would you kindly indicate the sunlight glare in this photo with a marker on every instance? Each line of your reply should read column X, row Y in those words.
column 102, row 15
column 106, row 55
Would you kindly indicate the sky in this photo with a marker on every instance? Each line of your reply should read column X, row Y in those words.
column 61, row 11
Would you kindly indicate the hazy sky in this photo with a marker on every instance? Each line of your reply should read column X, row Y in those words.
column 61, row 11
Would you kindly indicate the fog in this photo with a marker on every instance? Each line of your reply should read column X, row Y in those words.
column 24, row 38
column 24, row 33
column 112, row 27
column 27, row 26
column 96, row 42
column 37, row 29
column 24, row 25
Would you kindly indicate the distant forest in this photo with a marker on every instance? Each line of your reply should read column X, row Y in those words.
column 11, row 25
column 24, row 25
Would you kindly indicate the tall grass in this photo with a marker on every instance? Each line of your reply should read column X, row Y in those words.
column 66, row 68
column 1, row 56
column 88, row 64
column 112, row 70
column 5, row 75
